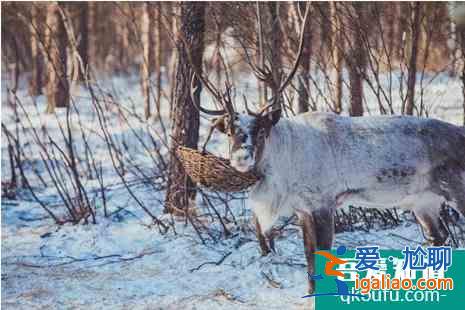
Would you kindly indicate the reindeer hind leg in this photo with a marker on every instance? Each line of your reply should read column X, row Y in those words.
column 324, row 228
column 449, row 182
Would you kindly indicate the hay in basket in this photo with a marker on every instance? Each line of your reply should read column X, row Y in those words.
column 214, row 173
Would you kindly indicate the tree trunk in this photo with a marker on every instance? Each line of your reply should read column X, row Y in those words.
column 36, row 55
column 325, row 35
column 458, row 19
column 304, row 74
column 356, row 59
column 217, row 63
column 262, row 90
column 173, row 12
column 337, row 56
column 400, row 29
column 412, row 67
column 145, row 66
column 123, row 37
column 185, row 125
column 92, row 37
column 463, row 75
column 276, row 43
column 389, row 19
column 83, row 47
column 461, row 34
column 158, row 55
column 453, row 49
column 57, row 86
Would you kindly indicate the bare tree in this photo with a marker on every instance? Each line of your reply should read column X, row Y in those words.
column 56, row 40
column 123, row 33
column 392, row 28
column 275, row 45
column 304, row 74
column 158, row 57
column 92, row 24
column 262, row 90
column 146, row 26
column 356, row 59
column 337, row 46
column 458, row 24
column 462, row 46
column 83, row 47
column 324, row 9
column 415, row 27
column 461, row 38
column 36, row 55
column 185, row 125
column 173, row 27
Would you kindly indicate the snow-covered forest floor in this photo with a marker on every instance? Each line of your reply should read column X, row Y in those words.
column 124, row 261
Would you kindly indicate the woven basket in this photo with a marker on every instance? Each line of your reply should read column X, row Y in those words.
column 213, row 172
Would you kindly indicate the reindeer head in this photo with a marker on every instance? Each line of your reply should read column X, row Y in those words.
column 246, row 131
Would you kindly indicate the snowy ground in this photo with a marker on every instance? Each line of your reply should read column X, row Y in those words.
column 128, row 265
column 125, row 262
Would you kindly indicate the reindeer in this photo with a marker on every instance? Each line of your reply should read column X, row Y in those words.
column 314, row 163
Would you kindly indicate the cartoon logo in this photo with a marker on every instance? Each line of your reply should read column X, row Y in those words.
column 432, row 262
column 333, row 261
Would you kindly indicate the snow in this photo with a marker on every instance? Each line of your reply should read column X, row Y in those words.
column 118, row 265
column 125, row 261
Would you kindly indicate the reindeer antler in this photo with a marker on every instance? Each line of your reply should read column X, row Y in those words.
column 300, row 50
column 265, row 73
column 194, row 88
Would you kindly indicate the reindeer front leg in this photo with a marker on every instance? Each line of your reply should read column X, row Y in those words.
column 309, row 233
column 262, row 239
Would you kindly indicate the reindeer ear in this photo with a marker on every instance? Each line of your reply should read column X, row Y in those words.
column 270, row 119
column 220, row 124
column 274, row 116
